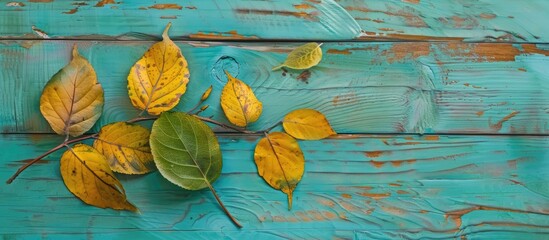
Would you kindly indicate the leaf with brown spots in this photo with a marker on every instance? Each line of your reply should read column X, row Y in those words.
column 126, row 147
column 239, row 102
column 280, row 162
column 307, row 124
column 72, row 100
column 159, row 78
column 87, row 175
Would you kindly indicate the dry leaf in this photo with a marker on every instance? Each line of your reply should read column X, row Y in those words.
column 307, row 124
column 303, row 57
column 72, row 100
column 87, row 175
column 158, row 80
column 206, row 94
column 239, row 102
column 126, row 147
column 280, row 162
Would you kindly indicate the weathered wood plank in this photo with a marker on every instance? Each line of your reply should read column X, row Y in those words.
column 371, row 187
column 362, row 87
column 469, row 20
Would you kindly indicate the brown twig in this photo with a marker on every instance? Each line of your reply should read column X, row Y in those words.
column 141, row 119
column 205, row 119
column 54, row 149
column 134, row 120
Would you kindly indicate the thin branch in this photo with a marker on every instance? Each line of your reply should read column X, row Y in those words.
column 273, row 126
column 54, row 149
column 205, row 119
column 22, row 168
column 134, row 120
column 141, row 119
column 195, row 107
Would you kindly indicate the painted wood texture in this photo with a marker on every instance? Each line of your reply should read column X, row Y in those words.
column 483, row 88
column 369, row 187
column 480, row 172
column 468, row 20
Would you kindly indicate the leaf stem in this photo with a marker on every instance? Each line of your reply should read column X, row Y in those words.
column 195, row 107
column 223, row 206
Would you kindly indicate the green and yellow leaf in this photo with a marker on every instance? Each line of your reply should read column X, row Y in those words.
column 303, row 57
column 307, row 124
column 158, row 80
column 239, row 102
column 87, row 175
column 185, row 150
column 126, row 147
column 72, row 100
column 280, row 162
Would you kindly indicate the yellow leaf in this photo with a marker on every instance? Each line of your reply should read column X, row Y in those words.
column 239, row 102
column 87, row 175
column 280, row 162
column 303, row 57
column 126, row 147
column 206, row 94
column 159, row 78
column 307, row 124
column 72, row 100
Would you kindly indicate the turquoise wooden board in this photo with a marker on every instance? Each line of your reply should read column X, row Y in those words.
column 442, row 109
column 468, row 20
column 365, row 187
column 361, row 87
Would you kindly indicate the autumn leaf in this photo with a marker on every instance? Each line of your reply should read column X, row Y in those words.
column 158, row 80
column 87, row 175
column 186, row 152
column 72, row 100
column 307, row 124
column 239, row 102
column 126, row 147
column 280, row 162
column 303, row 57
column 206, row 94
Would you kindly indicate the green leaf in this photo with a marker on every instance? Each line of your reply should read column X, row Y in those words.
column 185, row 150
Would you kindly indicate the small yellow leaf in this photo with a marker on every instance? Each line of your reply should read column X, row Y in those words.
column 87, row 175
column 159, row 78
column 203, row 108
column 239, row 102
column 126, row 147
column 303, row 57
column 72, row 100
column 307, row 124
column 206, row 94
column 280, row 162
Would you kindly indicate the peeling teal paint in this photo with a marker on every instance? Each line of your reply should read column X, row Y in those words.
column 413, row 187
column 361, row 87
column 485, row 179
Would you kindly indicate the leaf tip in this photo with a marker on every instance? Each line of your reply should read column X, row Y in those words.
column 165, row 33
column 75, row 50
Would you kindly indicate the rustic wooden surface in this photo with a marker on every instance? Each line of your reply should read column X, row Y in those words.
column 442, row 106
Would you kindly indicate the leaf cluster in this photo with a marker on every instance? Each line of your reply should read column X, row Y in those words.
column 180, row 145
